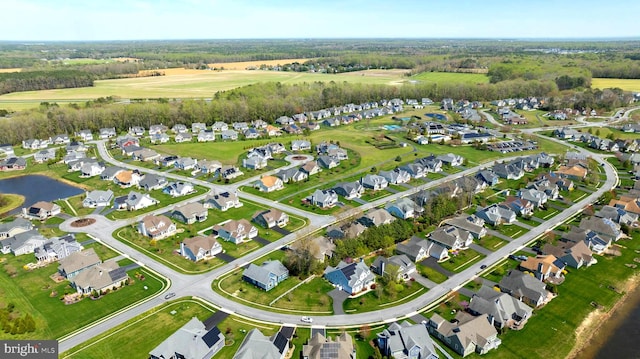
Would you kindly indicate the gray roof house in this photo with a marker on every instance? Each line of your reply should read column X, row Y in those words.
column 352, row 277
column 220, row 126
column 229, row 135
column 198, row 126
column 190, row 213
column 349, row 190
column 496, row 214
column 406, row 340
column 206, row 136
column 110, row 173
column 257, row 346
column 23, row 242
column 396, row 176
column 178, row 189
column 471, row 224
column 292, row 174
column 404, row 208
column 574, row 254
column 254, row 162
column 185, row 163
column 603, row 226
column 266, row 276
column 209, row 166
column 300, row 145
column 503, row 310
column 415, row 170
column 418, row 249
column 451, row 159
column 323, row 198
column 271, row 218
column 98, row 198
column 374, row 182
column 222, row 201
column 57, row 248
column 525, row 288
column 152, row 182
column 328, row 162
column 18, row 225
column 508, row 171
column 451, row 237
column 193, row 340
column 466, row 335
column 617, row 215
column 538, row 198
column 404, row 265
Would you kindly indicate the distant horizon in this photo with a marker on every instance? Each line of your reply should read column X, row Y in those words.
column 165, row 20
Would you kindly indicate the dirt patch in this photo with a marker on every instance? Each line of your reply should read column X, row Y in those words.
column 298, row 158
column 83, row 222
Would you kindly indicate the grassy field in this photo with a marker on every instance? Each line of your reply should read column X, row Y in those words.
column 451, row 77
column 242, row 65
column 625, row 84
column 380, row 298
column 35, row 293
column 12, row 201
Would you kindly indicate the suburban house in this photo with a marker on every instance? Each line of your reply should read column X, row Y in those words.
column 41, row 210
column 183, row 137
column 209, row 166
column 415, row 170
column 472, row 224
column 545, row 268
column 157, row 227
column 300, row 145
column 628, row 203
column 396, row 176
column 185, row 163
column 376, row 217
column 310, row 168
column 596, row 243
column 291, row 175
column 134, row 201
column 85, row 135
column 198, row 126
column 430, row 163
column 105, row 133
column 222, row 201
column 271, row 218
column 98, row 198
column 374, row 182
column 525, row 288
column 352, row 278
column 575, row 172
column 179, row 128
column 538, row 198
column 319, row 247
column 269, row 184
column 236, row 231
column 466, row 334
column 254, row 162
column 503, row 310
column 350, row 230
column 520, row 206
column 193, row 340
column 230, row 135
column 178, row 189
column 219, row 126
column 451, row 159
column 100, row 278
column 401, row 263
column 199, row 248
column 159, row 138
column 488, row 177
column 257, row 345
column 508, row 171
column 60, row 139
column 136, row 131
column 127, row 178
column 206, row 136
column 618, row 215
column 573, row 254
column 110, row 172
column 18, row 225
column 545, row 185
column 404, row 208
column 13, row 164
column 406, row 340
column 603, row 226
column 57, row 248
column 319, row 347
column 496, row 214
column 323, row 198
column 145, row 155
column 190, row 213
column 22, row 243
column 451, row 237
column 418, row 249
column 349, row 190
column 152, row 182
column 266, row 276
column 157, row 129
column 77, row 262
column 328, row 162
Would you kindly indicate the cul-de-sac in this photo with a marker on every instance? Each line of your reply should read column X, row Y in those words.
column 320, row 198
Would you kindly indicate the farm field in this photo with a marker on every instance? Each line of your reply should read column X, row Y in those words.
column 625, row 84
column 449, row 77
column 242, row 65
column 186, row 83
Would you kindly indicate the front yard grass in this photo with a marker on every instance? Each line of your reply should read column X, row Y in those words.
column 461, row 261
column 547, row 213
column 382, row 297
column 511, row 230
column 491, row 243
column 431, row 273
column 101, row 250
column 33, row 292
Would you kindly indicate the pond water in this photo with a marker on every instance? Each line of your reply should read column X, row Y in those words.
column 36, row 188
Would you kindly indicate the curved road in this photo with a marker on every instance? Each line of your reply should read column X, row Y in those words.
column 200, row 285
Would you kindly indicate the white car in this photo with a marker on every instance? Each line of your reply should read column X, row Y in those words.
column 307, row 319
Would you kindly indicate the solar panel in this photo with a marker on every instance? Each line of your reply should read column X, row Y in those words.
column 281, row 342
column 211, row 337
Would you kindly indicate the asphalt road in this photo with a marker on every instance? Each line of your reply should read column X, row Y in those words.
column 199, row 285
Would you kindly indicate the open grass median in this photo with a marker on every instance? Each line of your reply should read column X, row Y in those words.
column 461, row 261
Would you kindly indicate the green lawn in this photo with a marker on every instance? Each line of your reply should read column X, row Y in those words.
column 545, row 214
column 380, row 297
column 300, row 338
column 35, row 293
column 431, row 273
column 501, row 269
column 491, row 243
column 511, row 230
column 462, row 260
column 451, row 77
column 101, row 250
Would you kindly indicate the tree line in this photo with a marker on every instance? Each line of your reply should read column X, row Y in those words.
column 43, row 80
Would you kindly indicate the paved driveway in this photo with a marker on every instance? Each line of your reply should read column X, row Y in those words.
column 261, row 240
column 338, row 296
column 225, row 257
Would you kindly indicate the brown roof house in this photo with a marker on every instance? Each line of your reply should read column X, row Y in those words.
column 200, row 248
column 573, row 254
column 320, row 347
column 99, row 278
column 466, row 334
column 502, row 309
column 77, row 262
column 41, row 210
column 545, row 268
column 269, row 184
column 190, row 213
column 157, row 227
column 271, row 218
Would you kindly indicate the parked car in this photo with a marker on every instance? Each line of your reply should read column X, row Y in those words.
column 170, row 295
column 307, row 319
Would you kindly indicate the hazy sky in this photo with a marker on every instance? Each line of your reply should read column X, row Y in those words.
column 213, row 19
